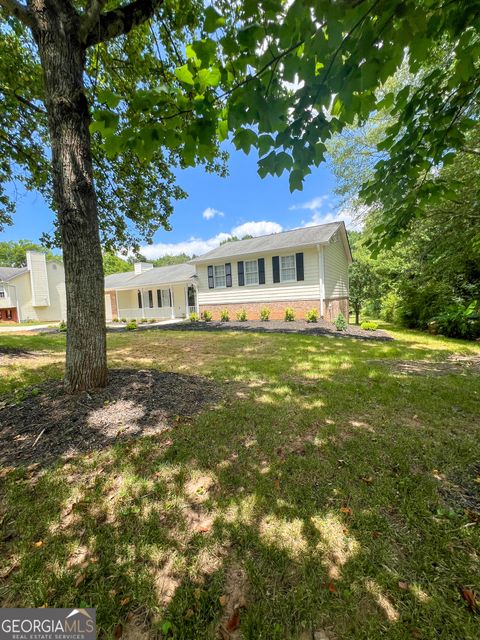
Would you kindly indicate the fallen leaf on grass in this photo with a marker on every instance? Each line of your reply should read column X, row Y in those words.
column 80, row 579
column 38, row 544
column 470, row 598
column 8, row 570
column 403, row 585
column 118, row 631
column 124, row 601
column 189, row 614
column 346, row 510
column 223, row 600
column 331, row 587
column 367, row 479
column 277, row 484
column 375, row 534
column 234, row 621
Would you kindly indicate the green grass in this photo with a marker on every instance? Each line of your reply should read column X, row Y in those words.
column 317, row 483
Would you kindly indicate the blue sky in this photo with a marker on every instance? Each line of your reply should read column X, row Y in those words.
column 216, row 207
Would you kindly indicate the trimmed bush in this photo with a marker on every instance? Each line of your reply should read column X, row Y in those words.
column 143, row 320
column 131, row 325
column 340, row 322
column 224, row 315
column 193, row 317
column 265, row 314
column 242, row 315
column 115, row 319
column 62, row 326
column 206, row 316
column 312, row 315
column 289, row 314
column 152, row 320
column 369, row 326
column 123, row 320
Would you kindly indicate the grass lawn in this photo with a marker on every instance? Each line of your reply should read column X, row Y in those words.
column 333, row 488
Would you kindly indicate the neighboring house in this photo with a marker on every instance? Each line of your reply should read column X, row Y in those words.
column 303, row 269
column 34, row 292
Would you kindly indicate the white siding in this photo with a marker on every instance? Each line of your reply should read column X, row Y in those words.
column 37, row 266
column 57, row 309
column 336, row 270
column 308, row 289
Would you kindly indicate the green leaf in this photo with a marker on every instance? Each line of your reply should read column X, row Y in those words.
column 108, row 97
column 209, row 77
column 213, row 20
column 184, row 74
column 296, row 180
column 244, row 139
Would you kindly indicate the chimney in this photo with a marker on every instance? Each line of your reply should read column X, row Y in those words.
column 140, row 267
column 37, row 267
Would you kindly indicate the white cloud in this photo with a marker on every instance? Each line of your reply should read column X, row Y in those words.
column 312, row 205
column 210, row 213
column 199, row 246
column 262, row 228
column 323, row 212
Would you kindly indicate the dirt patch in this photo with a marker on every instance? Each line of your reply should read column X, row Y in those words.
column 321, row 328
column 461, row 491
column 233, row 601
column 50, row 424
column 462, row 365
column 9, row 353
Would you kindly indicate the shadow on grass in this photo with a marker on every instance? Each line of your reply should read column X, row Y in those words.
column 307, row 494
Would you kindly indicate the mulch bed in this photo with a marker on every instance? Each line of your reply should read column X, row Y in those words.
column 49, row 424
column 321, row 328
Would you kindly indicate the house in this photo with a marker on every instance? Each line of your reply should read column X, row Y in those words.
column 304, row 268
column 34, row 292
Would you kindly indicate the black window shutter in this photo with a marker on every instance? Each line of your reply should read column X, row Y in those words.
column 159, row 298
column 228, row 274
column 170, row 296
column 299, row 261
column 140, row 301
column 150, row 299
column 210, row 277
column 241, row 275
column 261, row 271
column 276, row 268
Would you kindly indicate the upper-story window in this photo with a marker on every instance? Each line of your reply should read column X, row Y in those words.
column 2, row 292
column 251, row 272
column 287, row 268
column 219, row 276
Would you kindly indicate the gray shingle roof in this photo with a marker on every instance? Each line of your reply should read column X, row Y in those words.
column 304, row 237
column 152, row 277
column 7, row 273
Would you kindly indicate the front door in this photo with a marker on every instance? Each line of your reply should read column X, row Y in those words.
column 192, row 303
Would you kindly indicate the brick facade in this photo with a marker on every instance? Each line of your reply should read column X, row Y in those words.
column 277, row 309
column 113, row 300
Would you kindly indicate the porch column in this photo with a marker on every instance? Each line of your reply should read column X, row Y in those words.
column 186, row 302
column 142, row 293
column 172, row 303
column 197, row 307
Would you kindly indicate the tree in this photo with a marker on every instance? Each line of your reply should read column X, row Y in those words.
column 165, row 261
column 113, row 264
column 236, row 238
column 363, row 283
column 14, row 254
column 167, row 81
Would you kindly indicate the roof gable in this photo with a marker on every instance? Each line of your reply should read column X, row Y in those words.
column 7, row 273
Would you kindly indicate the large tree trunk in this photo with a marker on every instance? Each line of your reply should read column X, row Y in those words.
column 63, row 58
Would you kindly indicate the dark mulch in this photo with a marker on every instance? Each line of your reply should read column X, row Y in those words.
column 49, row 424
column 14, row 352
column 321, row 328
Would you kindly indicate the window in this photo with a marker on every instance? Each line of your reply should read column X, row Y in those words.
column 2, row 292
column 251, row 272
column 287, row 269
column 150, row 299
column 220, row 280
column 140, row 301
column 163, row 298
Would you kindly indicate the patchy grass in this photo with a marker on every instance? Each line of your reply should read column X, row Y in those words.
column 324, row 493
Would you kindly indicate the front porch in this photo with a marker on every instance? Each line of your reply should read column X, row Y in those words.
column 152, row 303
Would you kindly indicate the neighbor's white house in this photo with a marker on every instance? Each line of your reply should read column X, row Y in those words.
column 34, row 292
column 303, row 269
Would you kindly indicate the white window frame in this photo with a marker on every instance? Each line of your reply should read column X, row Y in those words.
column 223, row 277
column 3, row 293
column 283, row 268
column 254, row 272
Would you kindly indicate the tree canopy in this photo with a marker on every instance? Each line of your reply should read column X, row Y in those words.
column 14, row 254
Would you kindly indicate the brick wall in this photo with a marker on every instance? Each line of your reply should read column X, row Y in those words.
column 113, row 299
column 277, row 309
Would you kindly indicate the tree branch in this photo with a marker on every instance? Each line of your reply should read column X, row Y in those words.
column 118, row 21
column 18, row 10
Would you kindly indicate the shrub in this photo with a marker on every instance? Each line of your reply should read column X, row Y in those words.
column 193, row 317
column 115, row 319
column 312, row 315
column 224, row 315
column 143, row 320
column 389, row 307
column 289, row 314
column 123, row 320
column 242, row 315
column 369, row 326
column 265, row 314
column 206, row 316
column 458, row 322
column 62, row 326
column 152, row 320
column 340, row 322
column 131, row 325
